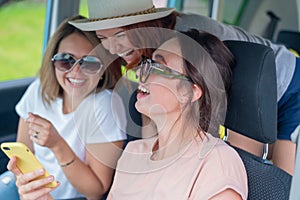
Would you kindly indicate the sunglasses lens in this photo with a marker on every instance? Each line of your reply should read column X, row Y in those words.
column 63, row 62
column 90, row 64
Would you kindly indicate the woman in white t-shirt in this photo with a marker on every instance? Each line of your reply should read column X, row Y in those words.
column 67, row 119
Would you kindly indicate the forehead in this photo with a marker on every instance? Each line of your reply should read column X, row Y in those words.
column 169, row 53
column 76, row 44
column 170, row 47
column 109, row 32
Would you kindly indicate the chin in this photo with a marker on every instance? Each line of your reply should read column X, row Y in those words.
column 133, row 59
column 140, row 108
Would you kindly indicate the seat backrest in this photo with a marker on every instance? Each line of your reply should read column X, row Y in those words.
column 252, row 109
column 291, row 39
column 252, row 112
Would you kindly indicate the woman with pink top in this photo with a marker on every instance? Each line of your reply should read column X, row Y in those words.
column 184, row 161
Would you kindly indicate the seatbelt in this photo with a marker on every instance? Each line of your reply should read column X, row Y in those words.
column 295, row 192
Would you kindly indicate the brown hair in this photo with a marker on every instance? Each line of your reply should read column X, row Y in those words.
column 50, row 87
column 209, row 66
column 140, row 38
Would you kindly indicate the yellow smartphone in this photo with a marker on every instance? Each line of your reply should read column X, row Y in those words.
column 26, row 162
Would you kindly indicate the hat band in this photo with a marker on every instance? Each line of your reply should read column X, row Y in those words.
column 148, row 11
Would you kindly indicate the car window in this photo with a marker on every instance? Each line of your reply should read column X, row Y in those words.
column 21, row 38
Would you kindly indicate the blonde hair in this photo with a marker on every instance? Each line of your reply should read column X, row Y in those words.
column 50, row 87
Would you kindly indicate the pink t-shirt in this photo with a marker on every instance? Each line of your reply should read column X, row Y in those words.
column 199, row 171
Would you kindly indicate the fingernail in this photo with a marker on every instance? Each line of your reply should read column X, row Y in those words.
column 50, row 178
column 41, row 171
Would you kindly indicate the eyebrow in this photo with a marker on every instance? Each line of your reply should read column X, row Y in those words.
column 159, row 57
column 65, row 52
column 102, row 36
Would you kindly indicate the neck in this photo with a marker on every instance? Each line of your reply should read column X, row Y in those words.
column 173, row 135
column 70, row 104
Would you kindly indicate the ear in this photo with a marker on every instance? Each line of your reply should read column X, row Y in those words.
column 197, row 93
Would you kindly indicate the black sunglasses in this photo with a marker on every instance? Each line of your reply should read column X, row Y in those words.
column 148, row 66
column 66, row 62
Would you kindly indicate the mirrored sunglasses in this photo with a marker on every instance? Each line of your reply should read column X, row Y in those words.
column 66, row 62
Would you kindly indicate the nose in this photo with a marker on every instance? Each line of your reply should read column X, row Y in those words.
column 75, row 68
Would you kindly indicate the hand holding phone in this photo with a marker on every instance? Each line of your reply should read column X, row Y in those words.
column 26, row 161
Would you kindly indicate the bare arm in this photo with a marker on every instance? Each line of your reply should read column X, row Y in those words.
column 227, row 194
column 94, row 177
column 23, row 136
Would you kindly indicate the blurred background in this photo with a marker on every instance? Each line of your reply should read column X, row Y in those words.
column 22, row 23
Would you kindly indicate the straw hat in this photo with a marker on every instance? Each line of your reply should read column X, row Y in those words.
column 105, row 14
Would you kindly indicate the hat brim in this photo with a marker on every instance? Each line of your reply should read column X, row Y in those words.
column 87, row 25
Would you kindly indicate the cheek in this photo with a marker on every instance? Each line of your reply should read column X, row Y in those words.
column 125, row 42
column 105, row 44
column 59, row 76
column 165, row 96
column 94, row 81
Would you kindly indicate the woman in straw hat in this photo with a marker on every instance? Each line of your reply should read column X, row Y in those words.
column 111, row 20
column 77, row 143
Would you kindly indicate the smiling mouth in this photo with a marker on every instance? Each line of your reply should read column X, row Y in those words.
column 126, row 53
column 75, row 81
column 143, row 90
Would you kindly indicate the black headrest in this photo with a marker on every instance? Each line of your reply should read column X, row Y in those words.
column 291, row 39
column 252, row 107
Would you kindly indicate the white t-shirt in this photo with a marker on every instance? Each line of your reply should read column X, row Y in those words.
column 96, row 120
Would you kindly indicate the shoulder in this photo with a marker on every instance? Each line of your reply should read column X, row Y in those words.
column 216, row 154
column 191, row 16
column 107, row 97
column 31, row 100
column 225, row 149
column 98, row 99
column 33, row 92
column 104, row 94
column 194, row 20
column 136, row 157
column 34, row 86
column 217, row 151
column 221, row 168
column 108, row 102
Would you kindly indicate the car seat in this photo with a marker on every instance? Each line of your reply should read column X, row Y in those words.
column 291, row 39
column 252, row 112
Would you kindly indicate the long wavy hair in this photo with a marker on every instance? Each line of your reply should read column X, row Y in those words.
column 208, row 62
column 50, row 87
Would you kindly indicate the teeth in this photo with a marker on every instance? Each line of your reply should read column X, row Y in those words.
column 76, row 81
column 144, row 90
column 126, row 53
